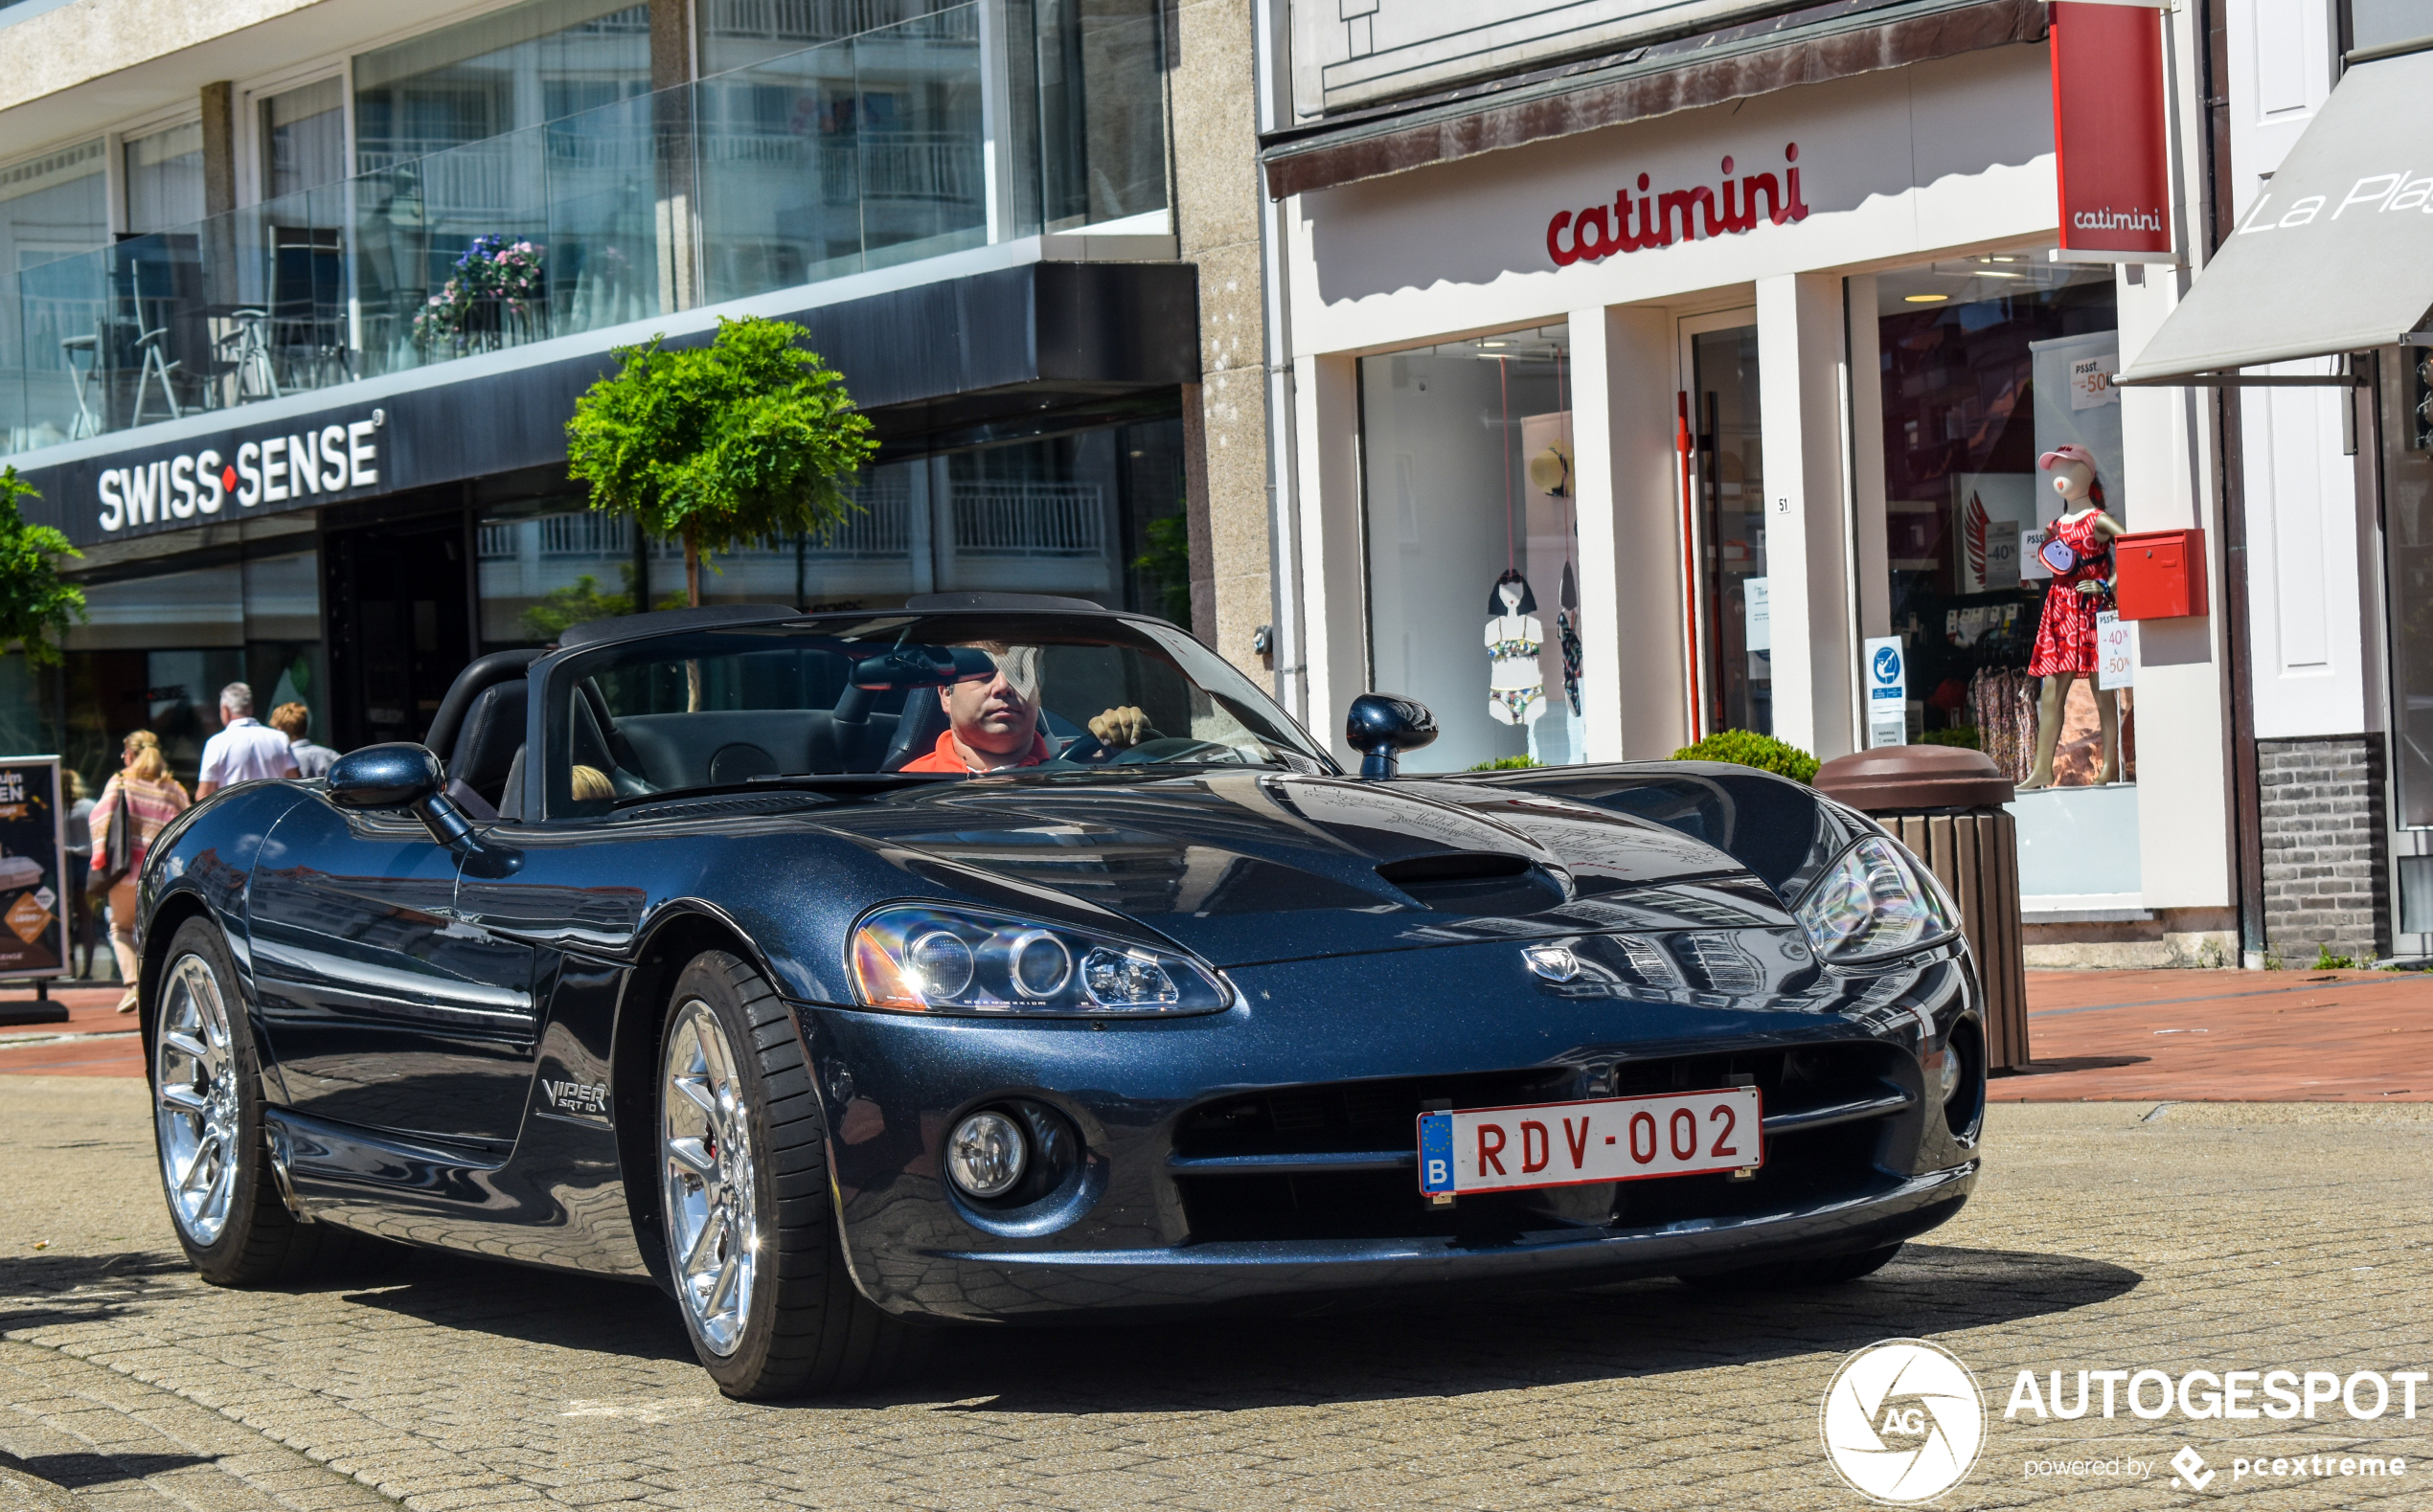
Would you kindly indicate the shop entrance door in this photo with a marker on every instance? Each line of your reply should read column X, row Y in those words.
column 1734, row 632
column 400, row 625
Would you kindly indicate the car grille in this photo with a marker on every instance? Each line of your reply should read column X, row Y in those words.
column 1342, row 1120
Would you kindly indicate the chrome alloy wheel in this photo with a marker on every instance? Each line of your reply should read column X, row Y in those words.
column 707, row 1179
column 194, row 1101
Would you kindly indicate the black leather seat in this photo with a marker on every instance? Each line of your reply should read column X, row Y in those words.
column 479, row 732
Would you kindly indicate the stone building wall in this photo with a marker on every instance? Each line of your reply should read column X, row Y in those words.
column 1216, row 221
column 2326, row 854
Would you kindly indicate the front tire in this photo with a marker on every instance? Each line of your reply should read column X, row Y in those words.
column 754, row 1246
column 209, row 1128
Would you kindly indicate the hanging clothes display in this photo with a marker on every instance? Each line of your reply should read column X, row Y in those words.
column 1516, row 686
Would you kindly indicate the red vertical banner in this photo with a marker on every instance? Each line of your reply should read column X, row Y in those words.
column 2109, row 126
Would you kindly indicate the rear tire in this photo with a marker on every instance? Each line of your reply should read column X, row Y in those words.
column 1794, row 1275
column 209, row 1129
column 754, row 1242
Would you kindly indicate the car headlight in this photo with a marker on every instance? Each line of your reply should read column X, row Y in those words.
column 927, row 960
column 1873, row 901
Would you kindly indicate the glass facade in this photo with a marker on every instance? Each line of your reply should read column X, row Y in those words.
column 52, row 207
column 1987, row 364
column 515, row 182
column 503, row 72
column 1465, row 456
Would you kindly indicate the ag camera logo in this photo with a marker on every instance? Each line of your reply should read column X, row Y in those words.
column 1903, row 1422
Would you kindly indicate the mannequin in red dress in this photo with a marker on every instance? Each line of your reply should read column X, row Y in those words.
column 2065, row 638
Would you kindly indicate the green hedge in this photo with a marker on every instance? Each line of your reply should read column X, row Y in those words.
column 1749, row 748
column 1518, row 764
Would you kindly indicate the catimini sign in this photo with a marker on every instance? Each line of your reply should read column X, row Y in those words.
column 271, row 469
column 2112, row 146
column 1661, row 217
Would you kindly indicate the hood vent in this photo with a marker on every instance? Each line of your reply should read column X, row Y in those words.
column 1480, row 882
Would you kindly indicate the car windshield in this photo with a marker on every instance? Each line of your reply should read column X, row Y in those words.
column 947, row 695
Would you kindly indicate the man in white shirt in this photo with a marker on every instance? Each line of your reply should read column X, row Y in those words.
column 245, row 749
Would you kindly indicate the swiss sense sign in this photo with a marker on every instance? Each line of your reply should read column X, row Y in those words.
column 2108, row 127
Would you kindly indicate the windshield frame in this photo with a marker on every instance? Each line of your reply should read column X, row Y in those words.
column 547, row 782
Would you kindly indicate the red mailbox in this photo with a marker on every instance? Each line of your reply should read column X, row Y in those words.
column 2159, row 575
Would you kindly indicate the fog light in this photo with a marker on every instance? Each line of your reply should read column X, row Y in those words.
column 1943, row 1065
column 986, row 1154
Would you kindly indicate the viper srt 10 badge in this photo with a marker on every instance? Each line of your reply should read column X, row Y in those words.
column 588, row 1097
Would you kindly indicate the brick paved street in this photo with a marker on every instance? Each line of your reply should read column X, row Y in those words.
column 2107, row 1236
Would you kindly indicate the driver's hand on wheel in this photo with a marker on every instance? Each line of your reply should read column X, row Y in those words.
column 1120, row 727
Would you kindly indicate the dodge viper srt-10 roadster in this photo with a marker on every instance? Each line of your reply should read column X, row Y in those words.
column 1003, row 958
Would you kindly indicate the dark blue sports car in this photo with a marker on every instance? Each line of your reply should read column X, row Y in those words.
column 998, row 959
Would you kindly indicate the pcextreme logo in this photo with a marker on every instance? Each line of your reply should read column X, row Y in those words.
column 1903, row 1422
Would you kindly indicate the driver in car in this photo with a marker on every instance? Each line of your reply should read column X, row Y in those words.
column 994, row 726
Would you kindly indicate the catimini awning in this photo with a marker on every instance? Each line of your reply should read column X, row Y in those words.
column 2336, row 252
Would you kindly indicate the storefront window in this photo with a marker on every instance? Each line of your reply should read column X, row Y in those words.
column 158, row 649
column 1988, row 364
column 1096, row 514
column 2407, row 532
column 1472, row 548
column 1734, row 608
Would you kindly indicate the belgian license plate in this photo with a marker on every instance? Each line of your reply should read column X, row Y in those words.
column 1611, row 1139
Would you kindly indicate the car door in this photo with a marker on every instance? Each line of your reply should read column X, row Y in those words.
column 384, row 1008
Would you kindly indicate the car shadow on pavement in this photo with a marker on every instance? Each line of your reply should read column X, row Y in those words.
column 1439, row 1346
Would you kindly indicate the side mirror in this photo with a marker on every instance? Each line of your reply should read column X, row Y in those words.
column 399, row 775
column 402, row 775
column 1382, row 725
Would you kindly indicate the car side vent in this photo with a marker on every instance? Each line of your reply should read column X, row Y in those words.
column 1486, row 883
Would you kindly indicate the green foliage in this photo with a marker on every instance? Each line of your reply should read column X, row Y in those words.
column 1749, row 748
column 581, row 601
column 1963, row 735
column 1518, row 764
column 1167, row 564
column 721, row 445
column 2326, row 961
column 34, row 601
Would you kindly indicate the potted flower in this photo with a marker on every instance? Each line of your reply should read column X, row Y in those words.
column 499, row 284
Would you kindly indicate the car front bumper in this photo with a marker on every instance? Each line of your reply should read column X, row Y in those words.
column 1168, row 1207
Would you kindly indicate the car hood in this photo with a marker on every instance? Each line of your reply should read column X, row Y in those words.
column 1246, row 868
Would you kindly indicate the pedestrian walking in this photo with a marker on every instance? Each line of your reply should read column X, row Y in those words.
column 245, row 750
column 292, row 720
column 134, row 806
column 79, row 861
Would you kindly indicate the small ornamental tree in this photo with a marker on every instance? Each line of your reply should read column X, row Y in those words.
column 34, row 600
column 721, row 445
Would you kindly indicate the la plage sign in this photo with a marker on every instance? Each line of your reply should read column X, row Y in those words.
column 1660, row 218
column 275, row 469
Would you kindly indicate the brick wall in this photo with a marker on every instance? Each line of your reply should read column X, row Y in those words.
column 2325, row 872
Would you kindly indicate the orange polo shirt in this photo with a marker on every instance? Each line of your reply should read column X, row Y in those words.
column 946, row 758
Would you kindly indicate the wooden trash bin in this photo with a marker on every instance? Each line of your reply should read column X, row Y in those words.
column 1945, row 804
